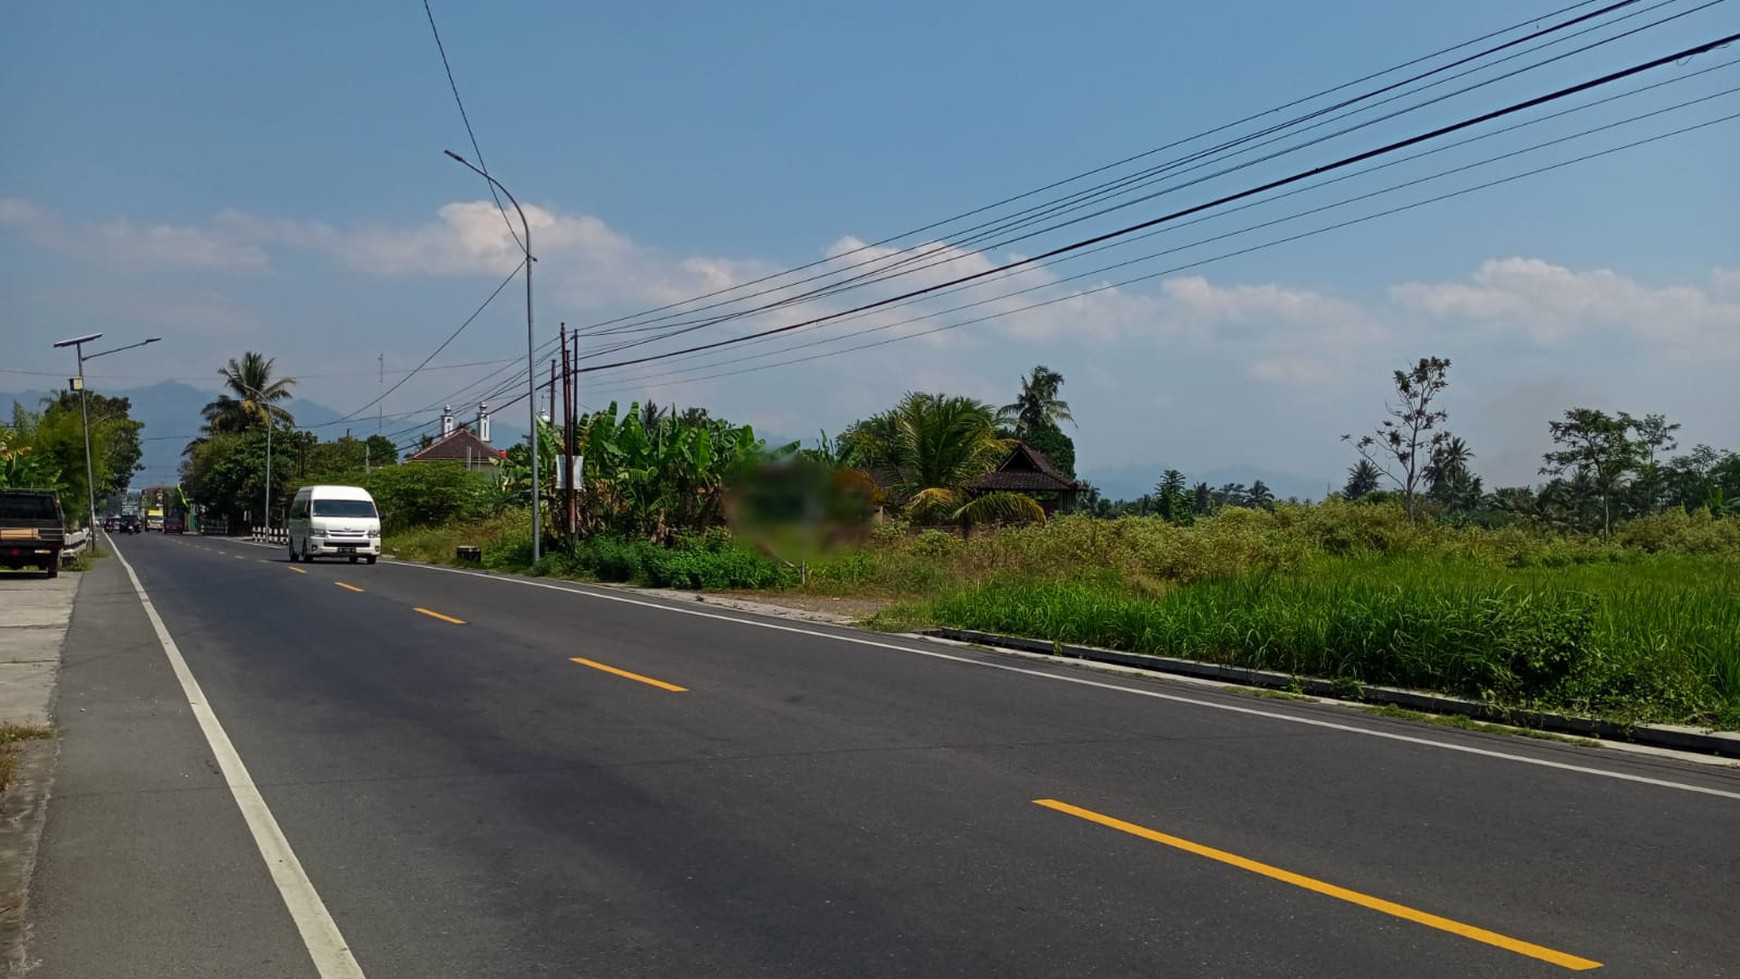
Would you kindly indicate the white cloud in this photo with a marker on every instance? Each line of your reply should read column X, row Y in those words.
column 1551, row 303
column 1297, row 337
column 131, row 245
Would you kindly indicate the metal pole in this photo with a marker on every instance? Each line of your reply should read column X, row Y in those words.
column 531, row 364
column 90, row 472
column 268, row 501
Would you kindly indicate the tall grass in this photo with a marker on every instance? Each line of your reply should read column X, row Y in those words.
column 1655, row 640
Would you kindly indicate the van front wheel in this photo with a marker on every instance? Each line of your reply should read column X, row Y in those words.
column 371, row 559
column 292, row 549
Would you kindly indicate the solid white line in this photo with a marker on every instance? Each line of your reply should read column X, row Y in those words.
column 320, row 935
column 1083, row 681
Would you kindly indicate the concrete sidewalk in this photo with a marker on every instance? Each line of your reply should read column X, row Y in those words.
column 34, row 613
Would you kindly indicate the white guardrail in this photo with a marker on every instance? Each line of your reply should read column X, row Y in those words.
column 270, row 535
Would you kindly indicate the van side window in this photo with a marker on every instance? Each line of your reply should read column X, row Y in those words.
column 299, row 508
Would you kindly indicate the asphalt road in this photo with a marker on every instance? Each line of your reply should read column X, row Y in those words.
column 468, row 800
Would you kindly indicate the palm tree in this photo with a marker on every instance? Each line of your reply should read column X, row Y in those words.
column 1362, row 479
column 251, row 395
column 1038, row 404
column 1261, row 496
column 927, row 448
column 1449, row 461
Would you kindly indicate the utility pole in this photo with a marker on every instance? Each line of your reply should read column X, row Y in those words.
column 78, row 383
column 531, row 364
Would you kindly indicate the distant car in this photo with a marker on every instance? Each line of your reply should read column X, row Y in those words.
column 129, row 523
column 110, row 523
column 174, row 525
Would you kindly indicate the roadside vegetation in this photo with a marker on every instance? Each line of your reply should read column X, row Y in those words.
column 1612, row 589
column 10, row 735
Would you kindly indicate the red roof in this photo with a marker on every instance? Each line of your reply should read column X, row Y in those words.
column 460, row 445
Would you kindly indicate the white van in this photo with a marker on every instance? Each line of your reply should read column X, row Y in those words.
column 334, row 520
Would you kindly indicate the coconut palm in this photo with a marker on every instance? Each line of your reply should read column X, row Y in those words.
column 1038, row 404
column 1449, row 461
column 1362, row 478
column 251, row 395
column 928, row 448
column 1260, row 496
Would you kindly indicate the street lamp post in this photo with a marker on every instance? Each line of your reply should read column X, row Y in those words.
column 266, row 498
column 531, row 368
column 78, row 345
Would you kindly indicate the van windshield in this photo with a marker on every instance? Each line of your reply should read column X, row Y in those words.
column 344, row 508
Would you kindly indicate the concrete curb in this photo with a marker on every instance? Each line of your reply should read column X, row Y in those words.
column 1677, row 737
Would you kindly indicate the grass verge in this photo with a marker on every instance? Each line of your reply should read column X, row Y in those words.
column 1649, row 641
column 10, row 735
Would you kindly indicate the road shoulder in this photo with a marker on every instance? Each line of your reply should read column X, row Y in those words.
column 34, row 615
column 145, row 863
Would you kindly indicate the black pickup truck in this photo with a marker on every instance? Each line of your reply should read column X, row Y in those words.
column 32, row 530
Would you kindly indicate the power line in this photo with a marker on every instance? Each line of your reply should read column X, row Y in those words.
column 1301, row 190
column 1101, row 169
column 1199, row 263
column 463, row 117
column 1125, row 181
column 450, row 338
column 1342, row 163
column 1608, row 8
column 1087, row 198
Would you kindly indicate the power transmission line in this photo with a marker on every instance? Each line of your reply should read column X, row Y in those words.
column 463, row 117
column 1205, row 158
column 1114, row 165
column 1302, row 190
column 1339, row 164
column 1197, row 264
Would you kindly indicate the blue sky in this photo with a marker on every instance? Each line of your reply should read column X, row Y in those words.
column 234, row 177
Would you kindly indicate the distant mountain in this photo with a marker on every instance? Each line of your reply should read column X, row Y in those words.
column 171, row 413
column 1131, row 481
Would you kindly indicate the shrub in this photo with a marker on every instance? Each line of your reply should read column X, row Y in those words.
column 935, row 544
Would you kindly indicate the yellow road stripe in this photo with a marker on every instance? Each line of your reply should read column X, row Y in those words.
column 649, row 681
column 1507, row 943
column 438, row 615
column 350, row 587
column 298, row 570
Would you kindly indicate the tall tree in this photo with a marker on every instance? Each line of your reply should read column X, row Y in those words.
column 1450, row 483
column 1362, row 480
column 1597, row 454
column 1260, row 496
column 1403, row 443
column 1174, row 499
column 1649, row 484
column 118, row 445
column 251, row 395
column 1202, row 500
column 1038, row 403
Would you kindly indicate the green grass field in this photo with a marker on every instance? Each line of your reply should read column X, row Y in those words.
column 1651, row 639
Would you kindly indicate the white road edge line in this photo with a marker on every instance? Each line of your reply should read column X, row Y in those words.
column 320, row 935
column 1083, row 681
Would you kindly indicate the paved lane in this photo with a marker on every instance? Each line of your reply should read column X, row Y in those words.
column 470, row 800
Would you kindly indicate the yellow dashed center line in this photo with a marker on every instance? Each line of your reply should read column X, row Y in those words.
column 298, row 570
column 649, row 681
column 347, row 587
column 438, row 615
column 1505, row 942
